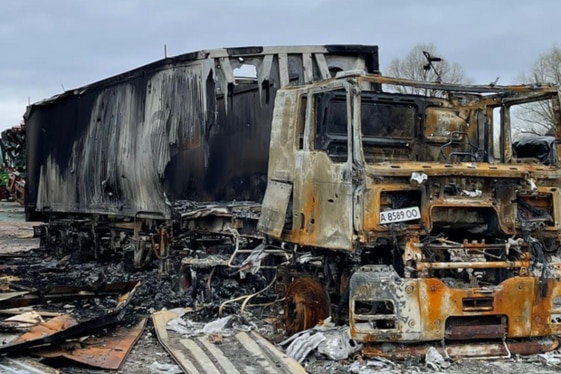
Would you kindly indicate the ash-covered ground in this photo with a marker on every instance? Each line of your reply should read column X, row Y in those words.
column 32, row 267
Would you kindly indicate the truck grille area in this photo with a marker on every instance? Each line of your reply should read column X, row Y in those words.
column 476, row 327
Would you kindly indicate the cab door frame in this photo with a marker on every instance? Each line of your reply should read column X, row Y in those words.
column 324, row 191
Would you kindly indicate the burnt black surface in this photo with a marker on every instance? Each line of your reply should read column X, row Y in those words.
column 40, row 269
column 220, row 154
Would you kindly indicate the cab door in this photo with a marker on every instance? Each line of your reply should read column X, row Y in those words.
column 323, row 191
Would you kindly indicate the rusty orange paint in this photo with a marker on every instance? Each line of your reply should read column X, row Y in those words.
column 106, row 352
column 527, row 314
column 522, row 306
column 440, row 122
column 306, row 232
column 47, row 328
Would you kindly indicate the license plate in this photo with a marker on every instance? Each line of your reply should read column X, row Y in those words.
column 400, row 215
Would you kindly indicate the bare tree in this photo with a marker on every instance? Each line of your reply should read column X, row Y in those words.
column 415, row 65
column 537, row 118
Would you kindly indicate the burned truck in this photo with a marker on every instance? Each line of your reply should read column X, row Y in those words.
column 410, row 217
column 420, row 217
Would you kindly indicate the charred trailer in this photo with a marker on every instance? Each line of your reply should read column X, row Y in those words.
column 415, row 214
column 133, row 160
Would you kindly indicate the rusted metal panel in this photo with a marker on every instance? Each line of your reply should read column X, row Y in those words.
column 64, row 327
column 474, row 332
column 105, row 352
column 385, row 196
column 384, row 307
column 441, row 122
column 423, row 307
column 47, row 328
column 323, row 194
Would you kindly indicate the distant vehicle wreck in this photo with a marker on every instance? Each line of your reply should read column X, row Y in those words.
column 12, row 173
column 410, row 218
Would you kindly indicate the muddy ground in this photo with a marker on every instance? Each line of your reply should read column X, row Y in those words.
column 21, row 257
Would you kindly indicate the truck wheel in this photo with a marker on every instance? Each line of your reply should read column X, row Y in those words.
column 306, row 304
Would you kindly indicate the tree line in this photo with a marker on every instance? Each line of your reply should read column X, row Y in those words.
column 533, row 119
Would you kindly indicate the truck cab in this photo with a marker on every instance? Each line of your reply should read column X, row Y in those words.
column 429, row 224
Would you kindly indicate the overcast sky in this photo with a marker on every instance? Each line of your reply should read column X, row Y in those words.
column 48, row 45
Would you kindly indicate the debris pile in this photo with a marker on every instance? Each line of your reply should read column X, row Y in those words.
column 68, row 310
column 55, row 337
column 12, row 144
column 99, row 308
column 327, row 348
column 326, row 339
column 552, row 358
column 94, row 313
column 12, row 172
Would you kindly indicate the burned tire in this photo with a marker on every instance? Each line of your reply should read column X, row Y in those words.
column 306, row 304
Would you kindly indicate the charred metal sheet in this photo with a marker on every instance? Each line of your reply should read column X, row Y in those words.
column 65, row 328
column 190, row 210
column 20, row 365
column 273, row 212
column 16, row 311
column 4, row 296
column 324, row 338
column 244, row 352
column 105, row 352
column 62, row 293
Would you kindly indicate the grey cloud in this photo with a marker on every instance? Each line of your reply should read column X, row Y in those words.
column 46, row 44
